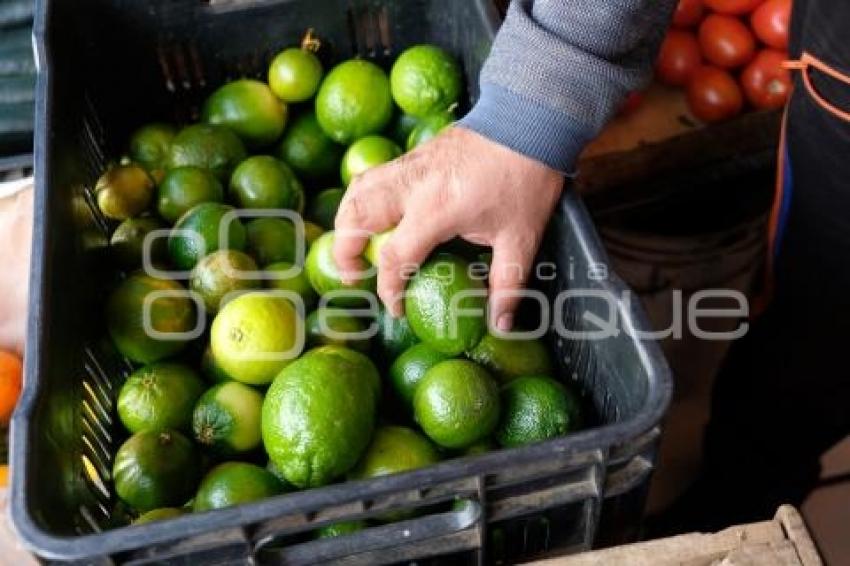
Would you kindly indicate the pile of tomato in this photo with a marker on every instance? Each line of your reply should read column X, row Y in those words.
column 728, row 55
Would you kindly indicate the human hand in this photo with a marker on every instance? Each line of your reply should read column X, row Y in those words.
column 16, row 218
column 458, row 184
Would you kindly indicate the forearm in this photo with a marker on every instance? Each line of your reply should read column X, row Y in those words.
column 16, row 224
column 559, row 70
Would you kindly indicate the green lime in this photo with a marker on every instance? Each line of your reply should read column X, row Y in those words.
column 457, row 403
column 211, row 369
column 318, row 418
column 401, row 127
column 221, row 273
column 307, row 149
column 149, row 146
column 354, row 101
column 207, row 146
column 285, row 485
column 469, row 251
column 297, row 283
column 226, row 419
column 329, row 326
column 235, row 483
column 366, row 153
column 128, row 240
column 168, row 313
column 254, row 336
column 324, row 275
column 249, row 108
column 425, row 79
column 445, row 305
column 155, row 469
column 197, row 234
column 480, row 447
column 536, row 408
column 340, row 529
column 395, row 449
column 300, row 202
column 324, row 206
column 271, row 240
column 295, row 75
column 185, row 187
column 160, row 514
column 410, row 367
column 394, row 334
column 124, row 191
column 265, row 182
column 363, row 364
column 508, row 359
column 312, row 232
column 428, row 128
column 158, row 397
column 375, row 245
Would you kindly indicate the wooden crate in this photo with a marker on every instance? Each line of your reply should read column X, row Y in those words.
column 662, row 150
column 784, row 541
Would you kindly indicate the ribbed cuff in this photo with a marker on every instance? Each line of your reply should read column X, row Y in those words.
column 527, row 127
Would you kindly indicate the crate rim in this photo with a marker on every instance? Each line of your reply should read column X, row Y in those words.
column 122, row 539
column 66, row 547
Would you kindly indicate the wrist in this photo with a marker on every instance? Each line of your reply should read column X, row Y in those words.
column 534, row 130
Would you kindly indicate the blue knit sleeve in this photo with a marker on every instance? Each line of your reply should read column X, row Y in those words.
column 559, row 70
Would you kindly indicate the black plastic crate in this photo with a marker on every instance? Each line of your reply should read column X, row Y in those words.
column 108, row 66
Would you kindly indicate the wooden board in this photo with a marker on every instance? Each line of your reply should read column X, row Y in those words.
column 661, row 153
column 663, row 115
column 662, row 139
column 11, row 551
column 784, row 541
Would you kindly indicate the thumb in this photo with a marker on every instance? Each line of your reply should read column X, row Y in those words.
column 508, row 273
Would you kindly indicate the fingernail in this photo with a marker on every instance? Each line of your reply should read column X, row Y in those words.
column 505, row 322
column 395, row 310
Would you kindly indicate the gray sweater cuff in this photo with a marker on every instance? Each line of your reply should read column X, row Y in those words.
column 527, row 127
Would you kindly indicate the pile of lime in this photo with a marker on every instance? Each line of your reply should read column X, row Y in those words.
column 258, row 370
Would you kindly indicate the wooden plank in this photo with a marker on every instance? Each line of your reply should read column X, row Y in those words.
column 795, row 529
column 780, row 554
column 11, row 551
column 696, row 548
column 709, row 147
column 664, row 114
column 784, row 541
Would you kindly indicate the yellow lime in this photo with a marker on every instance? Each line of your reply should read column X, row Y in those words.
column 124, row 191
column 255, row 336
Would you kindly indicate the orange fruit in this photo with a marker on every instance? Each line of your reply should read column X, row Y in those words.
column 11, row 376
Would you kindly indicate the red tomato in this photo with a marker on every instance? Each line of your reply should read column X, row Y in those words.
column 713, row 95
column 688, row 13
column 726, row 41
column 633, row 101
column 771, row 23
column 733, row 7
column 678, row 59
column 766, row 83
